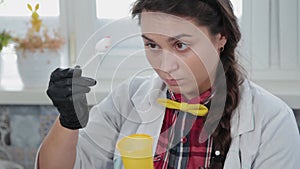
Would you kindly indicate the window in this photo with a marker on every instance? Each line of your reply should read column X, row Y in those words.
column 18, row 8
column 113, row 9
column 237, row 7
column 14, row 14
column 14, row 17
column 108, row 11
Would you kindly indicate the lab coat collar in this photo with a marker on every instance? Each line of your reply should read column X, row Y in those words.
column 145, row 98
column 243, row 117
column 151, row 113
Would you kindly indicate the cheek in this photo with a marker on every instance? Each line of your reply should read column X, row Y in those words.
column 153, row 60
column 209, row 58
column 196, row 67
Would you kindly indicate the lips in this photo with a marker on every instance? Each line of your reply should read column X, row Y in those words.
column 172, row 82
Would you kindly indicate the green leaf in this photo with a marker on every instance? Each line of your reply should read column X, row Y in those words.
column 29, row 7
column 37, row 6
column 5, row 42
column 4, row 39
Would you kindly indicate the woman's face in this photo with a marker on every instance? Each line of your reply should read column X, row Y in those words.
column 184, row 55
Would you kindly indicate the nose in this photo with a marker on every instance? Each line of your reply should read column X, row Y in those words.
column 169, row 62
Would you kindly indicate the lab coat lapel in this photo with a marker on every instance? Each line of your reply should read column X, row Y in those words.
column 151, row 113
column 148, row 114
column 242, row 122
column 245, row 110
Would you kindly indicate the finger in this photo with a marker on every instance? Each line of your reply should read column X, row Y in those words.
column 84, row 81
column 77, row 71
column 77, row 98
column 79, row 90
column 77, row 66
column 63, row 92
column 57, row 92
column 60, row 73
column 62, row 103
column 80, row 81
column 63, row 82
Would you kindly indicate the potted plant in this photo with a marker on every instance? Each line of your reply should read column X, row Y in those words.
column 5, row 37
column 38, row 51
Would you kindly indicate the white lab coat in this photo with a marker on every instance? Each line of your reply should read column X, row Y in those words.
column 263, row 128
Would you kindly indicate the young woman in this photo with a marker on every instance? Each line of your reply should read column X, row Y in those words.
column 191, row 45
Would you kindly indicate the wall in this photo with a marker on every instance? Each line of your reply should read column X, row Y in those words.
column 22, row 129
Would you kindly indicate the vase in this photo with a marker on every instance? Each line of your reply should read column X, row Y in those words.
column 35, row 67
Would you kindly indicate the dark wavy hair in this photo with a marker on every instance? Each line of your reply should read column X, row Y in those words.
column 218, row 16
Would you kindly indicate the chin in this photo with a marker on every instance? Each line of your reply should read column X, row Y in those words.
column 178, row 89
column 175, row 89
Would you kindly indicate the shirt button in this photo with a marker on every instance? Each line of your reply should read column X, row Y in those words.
column 157, row 158
column 183, row 139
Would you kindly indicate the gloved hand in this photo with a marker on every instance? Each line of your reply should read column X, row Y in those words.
column 67, row 89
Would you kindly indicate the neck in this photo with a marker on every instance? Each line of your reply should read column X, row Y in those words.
column 202, row 88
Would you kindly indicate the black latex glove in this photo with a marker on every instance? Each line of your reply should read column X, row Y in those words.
column 67, row 89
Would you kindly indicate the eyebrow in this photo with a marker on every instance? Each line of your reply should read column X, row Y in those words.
column 170, row 39
column 145, row 37
column 177, row 37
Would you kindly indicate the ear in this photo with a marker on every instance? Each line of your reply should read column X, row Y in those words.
column 220, row 40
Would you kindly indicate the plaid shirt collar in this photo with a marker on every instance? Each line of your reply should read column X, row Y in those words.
column 178, row 145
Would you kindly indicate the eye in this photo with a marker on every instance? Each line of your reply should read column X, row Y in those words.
column 152, row 46
column 180, row 46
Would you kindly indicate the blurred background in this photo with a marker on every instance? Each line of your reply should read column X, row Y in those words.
column 69, row 31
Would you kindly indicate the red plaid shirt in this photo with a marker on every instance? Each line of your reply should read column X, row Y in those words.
column 178, row 145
